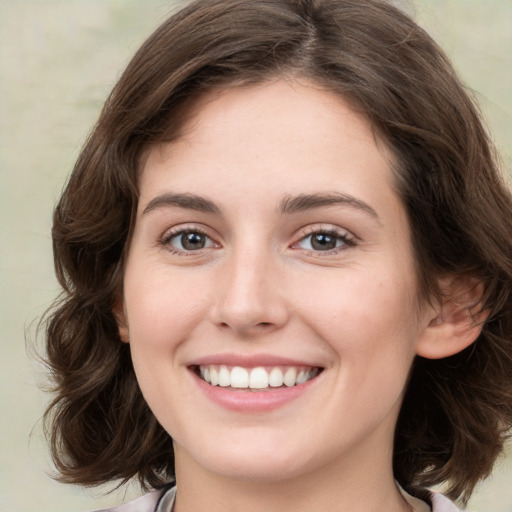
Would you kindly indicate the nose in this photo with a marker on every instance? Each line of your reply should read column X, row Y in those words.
column 250, row 300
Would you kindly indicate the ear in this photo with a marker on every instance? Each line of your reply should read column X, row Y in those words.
column 457, row 321
column 120, row 317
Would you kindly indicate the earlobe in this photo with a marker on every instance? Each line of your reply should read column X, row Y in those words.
column 458, row 319
column 122, row 324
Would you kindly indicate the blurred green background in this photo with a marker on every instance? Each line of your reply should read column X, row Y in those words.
column 58, row 61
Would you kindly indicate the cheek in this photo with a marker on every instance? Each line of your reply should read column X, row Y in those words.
column 369, row 324
column 358, row 302
column 162, row 312
column 159, row 304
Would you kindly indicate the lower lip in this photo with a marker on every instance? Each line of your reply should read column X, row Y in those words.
column 253, row 401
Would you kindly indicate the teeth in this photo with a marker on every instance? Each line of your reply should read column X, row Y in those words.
column 275, row 378
column 214, row 377
column 224, row 377
column 302, row 377
column 239, row 377
column 290, row 377
column 256, row 378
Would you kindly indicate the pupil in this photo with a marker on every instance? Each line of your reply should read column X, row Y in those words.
column 191, row 241
column 323, row 242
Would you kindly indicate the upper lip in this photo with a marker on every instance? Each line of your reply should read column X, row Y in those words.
column 250, row 361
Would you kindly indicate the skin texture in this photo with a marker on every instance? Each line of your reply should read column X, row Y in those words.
column 259, row 287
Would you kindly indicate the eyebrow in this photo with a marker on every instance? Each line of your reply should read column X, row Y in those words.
column 289, row 205
column 188, row 201
column 304, row 202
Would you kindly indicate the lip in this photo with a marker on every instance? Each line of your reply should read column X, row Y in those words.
column 251, row 361
column 246, row 401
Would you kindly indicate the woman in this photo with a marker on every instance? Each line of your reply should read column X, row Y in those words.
column 286, row 255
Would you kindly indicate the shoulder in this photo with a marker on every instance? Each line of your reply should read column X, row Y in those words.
column 442, row 504
column 156, row 501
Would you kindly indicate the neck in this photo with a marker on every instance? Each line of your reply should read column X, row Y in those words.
column 334, row 487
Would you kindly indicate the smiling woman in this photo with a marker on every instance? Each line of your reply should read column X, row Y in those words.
column 319, row 292
column 276, row 294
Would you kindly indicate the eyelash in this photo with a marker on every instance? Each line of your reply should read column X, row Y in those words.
column 174, row 234
column 347, row 240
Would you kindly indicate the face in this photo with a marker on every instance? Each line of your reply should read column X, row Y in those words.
column 270, row 297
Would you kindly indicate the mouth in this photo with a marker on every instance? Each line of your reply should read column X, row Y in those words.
column 260, row 378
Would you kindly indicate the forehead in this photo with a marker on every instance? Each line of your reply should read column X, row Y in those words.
column 284, row 127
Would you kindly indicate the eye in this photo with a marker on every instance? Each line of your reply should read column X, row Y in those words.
column 325, row 241
column 187, row 241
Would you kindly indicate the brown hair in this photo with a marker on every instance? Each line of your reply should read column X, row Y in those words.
column 457, row 410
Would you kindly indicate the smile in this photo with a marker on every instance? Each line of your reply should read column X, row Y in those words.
column 256, row 379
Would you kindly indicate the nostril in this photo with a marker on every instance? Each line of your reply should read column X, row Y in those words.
column 224, row 325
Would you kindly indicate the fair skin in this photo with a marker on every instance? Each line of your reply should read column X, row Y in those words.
column 270, row 236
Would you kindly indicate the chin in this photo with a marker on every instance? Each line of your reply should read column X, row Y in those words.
column 260, row 471
column 261, row 464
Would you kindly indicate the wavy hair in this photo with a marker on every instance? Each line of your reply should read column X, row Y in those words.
column 457, row 410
